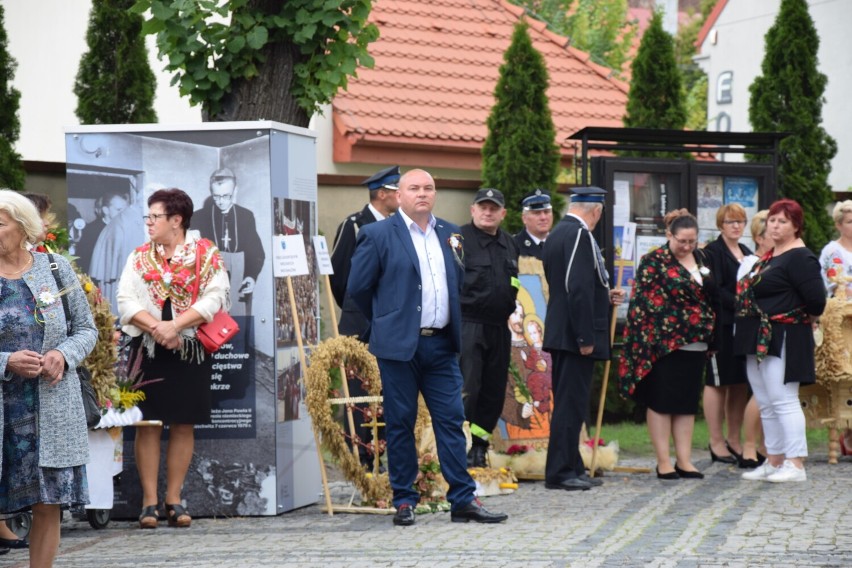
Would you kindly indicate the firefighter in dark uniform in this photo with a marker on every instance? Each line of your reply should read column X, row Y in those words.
column 383, row 203
column 537, row 215
column 487, row 299
column 576, row 332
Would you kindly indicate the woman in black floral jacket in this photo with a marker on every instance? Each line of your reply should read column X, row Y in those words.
column 669, row 330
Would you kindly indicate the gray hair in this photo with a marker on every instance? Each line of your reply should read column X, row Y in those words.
column 23, row 212
column 841, row 209
column 586, row 206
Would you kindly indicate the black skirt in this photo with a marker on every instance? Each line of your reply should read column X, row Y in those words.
column 724, row 368
column 674, row 384
column 183, row 396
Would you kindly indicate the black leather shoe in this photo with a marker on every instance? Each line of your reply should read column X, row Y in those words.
column 474, row 511
column 576, row 484
column 737, row 455
column 721, row 459
column 14, row 543
column 670, row 476
column 688, row 474
column 593, row 481
column 476, row 456
column 748, row 463
column 404, row 516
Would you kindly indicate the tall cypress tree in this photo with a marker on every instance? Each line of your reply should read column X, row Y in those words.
column 656, row 90
column 115, row 84
column 520, row 152
column 12, row 173
column 788, row 97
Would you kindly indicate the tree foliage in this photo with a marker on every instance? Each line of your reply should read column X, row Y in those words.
column 656, row 89
column 261, row 59
column 788, row 97
column 12, row 173
column 599, row 27
column 115, row 84
column 520, row 153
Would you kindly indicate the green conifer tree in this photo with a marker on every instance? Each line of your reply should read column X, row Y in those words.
column 656, row 90
column 788, row 97
column 520, row 152
column 115, row 84
column 12, row 173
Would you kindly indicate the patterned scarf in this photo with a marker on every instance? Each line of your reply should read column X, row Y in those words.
column 747, row 307
column 175, row 278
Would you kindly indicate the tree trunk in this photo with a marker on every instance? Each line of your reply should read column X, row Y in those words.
column 267, row 95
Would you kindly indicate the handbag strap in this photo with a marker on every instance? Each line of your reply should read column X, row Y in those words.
column 54, row 269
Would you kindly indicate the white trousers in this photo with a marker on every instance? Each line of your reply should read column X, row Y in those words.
column 780, row 409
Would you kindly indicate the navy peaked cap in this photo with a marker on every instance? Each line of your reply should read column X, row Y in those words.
column 387, row 178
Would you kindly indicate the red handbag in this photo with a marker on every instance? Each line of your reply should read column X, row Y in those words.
column 213, row 334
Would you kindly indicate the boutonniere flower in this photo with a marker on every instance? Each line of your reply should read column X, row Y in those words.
column 704, row 271
column 45, row 299
column 455, row 242
column 167, row 278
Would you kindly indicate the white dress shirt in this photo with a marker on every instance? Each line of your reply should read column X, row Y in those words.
column 435, row 299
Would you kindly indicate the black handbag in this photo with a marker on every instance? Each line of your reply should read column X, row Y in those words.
column 90, row 399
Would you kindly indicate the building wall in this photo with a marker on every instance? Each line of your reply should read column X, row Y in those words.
column 739, row 49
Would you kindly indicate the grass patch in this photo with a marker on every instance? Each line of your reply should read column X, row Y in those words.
column 633, row 440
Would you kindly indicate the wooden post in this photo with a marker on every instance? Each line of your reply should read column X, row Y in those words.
column 344, row 379
column 605, row 381
column 302, row 378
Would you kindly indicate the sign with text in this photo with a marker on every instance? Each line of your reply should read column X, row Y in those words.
column 289, row 257
column 323, row 256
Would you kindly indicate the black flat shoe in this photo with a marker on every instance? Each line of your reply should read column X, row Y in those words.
column 14, row 543
column 404, row 516
column 721, row 459
column 748, row 463
column 670, row 476
column 688, row 474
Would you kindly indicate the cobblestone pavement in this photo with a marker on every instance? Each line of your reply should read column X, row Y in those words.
column 633, row 520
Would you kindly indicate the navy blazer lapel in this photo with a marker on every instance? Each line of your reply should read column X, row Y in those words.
column 404, row 235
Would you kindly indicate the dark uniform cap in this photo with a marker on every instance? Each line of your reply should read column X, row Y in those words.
column 223, row 173
column 588, row 195
column 537, row 200
column 386, row 178
column 489, row 194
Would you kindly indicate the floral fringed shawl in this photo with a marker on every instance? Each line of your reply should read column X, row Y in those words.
column 159, row 280
column 668, row 310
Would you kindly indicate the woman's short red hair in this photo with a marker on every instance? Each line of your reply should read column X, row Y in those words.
column 790, row 209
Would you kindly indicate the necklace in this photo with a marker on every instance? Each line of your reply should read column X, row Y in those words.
column 24, row 267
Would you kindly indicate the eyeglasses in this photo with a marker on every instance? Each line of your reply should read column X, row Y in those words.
column 685, row 242
column 224, row 197
column 153, row 217
column 734, row 222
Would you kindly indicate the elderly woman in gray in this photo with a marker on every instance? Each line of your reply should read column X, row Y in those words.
column 44, row 442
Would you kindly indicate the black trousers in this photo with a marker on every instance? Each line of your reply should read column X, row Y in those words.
column 572, row 382
column 485, row 354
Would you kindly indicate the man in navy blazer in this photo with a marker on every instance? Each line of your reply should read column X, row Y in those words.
column 406, row 277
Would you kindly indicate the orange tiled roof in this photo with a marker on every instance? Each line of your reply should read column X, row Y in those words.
column 427, row 99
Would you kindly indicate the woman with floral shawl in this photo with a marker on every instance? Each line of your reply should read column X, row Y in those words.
column 158, row 309
column 668, row 333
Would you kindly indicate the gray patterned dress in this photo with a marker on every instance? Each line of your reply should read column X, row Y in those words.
column 22, row 482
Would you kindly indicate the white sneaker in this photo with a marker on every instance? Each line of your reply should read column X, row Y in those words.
column 788, row 472
column 761, row 472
